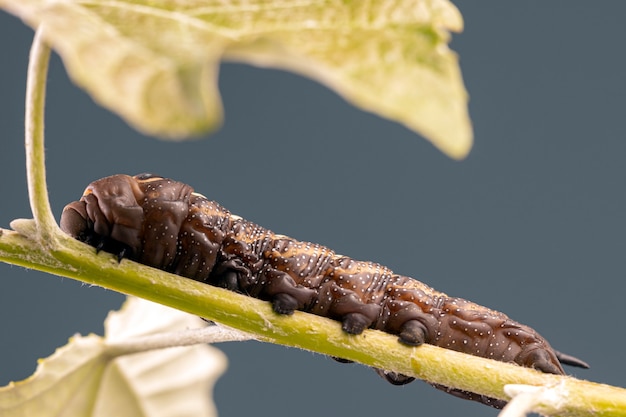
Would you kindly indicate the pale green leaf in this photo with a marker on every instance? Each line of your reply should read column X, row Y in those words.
column 155, row 62
column 90, row 378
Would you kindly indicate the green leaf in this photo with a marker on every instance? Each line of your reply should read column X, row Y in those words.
column 155, row 62
column 92, row 377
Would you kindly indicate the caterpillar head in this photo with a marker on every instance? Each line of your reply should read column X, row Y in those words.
column 108, row 216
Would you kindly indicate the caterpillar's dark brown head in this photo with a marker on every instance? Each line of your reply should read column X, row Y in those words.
column 108, row 215
column 111, row 215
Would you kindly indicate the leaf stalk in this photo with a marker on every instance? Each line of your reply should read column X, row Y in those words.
column 34, row 141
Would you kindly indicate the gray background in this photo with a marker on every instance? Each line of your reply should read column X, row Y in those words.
column 531, row 223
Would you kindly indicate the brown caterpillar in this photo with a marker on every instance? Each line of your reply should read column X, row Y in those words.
column 165, row 224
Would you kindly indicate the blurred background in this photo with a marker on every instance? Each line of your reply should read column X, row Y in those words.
column 532, row 223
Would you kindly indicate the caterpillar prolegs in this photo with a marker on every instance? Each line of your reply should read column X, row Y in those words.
column 165, row 224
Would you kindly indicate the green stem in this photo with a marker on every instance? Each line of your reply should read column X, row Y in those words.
column 34, row 141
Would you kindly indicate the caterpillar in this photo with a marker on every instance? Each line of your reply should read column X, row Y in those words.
column 165, row 224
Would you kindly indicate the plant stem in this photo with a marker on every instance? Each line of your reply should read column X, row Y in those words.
column 34, row 141
column 203, row 335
